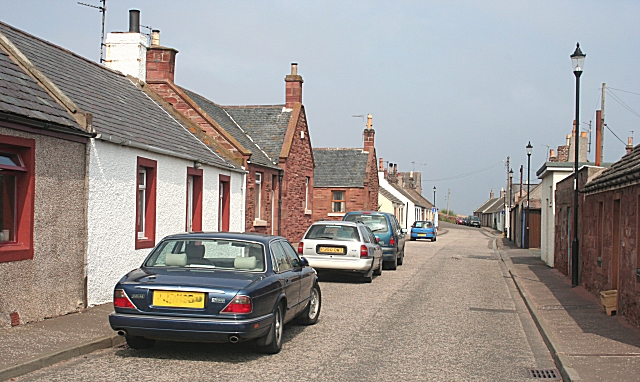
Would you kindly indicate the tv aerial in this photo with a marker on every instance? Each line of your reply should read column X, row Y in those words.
column 103, row 10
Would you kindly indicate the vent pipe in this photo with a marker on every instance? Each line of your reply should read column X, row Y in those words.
column 134, row 21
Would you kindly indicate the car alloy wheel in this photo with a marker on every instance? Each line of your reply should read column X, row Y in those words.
column 310, row 314
column 276, row 332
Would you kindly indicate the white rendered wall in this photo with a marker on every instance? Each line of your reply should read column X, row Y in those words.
column 112, row 208
column 547, row 242
column 409, row 206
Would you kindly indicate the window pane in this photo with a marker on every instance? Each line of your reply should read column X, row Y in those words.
column 10, row 160
column 8, row 207
column 338, row 195
column 281, row 257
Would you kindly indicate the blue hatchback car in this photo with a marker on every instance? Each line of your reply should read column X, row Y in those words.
column 423, row 229
column 216, row 287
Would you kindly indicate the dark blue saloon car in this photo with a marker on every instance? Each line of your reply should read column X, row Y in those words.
column 216, row 287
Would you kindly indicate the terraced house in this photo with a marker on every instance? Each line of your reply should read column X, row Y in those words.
column 132, row 174
column 271, row 141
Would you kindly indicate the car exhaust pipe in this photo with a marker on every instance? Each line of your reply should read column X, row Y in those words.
column 121, row 333
column 233, row 339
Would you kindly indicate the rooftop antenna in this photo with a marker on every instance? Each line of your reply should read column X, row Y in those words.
column 103, row 10
column 360, row 116
column 548, row 148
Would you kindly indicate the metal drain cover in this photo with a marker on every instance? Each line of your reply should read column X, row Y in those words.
column 548, row 374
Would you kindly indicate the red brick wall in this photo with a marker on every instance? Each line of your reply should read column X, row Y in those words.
column 266, row 203
column 298, row 166
column 598, row 278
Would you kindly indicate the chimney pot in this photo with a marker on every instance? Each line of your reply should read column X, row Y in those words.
column 155, row 37
column 380, row 165
column 294, row 68
column 134, row 21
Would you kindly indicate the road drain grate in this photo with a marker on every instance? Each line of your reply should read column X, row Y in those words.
column 548, row 374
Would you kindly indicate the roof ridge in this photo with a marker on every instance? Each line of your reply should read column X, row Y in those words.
column 252, row 106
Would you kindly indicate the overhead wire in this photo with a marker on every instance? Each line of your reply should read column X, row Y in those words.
column 460, row 176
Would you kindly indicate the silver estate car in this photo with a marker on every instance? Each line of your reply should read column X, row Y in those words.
column 342, row 246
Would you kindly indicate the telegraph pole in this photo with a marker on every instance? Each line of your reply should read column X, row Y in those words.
column 448, row 195
column 507, row 201
column 604, row 95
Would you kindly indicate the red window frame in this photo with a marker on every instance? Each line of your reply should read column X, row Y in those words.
column 151, row 168
column 196, row 207
column 224, row 204
column 21, row 248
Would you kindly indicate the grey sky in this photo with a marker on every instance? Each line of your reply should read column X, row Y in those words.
column 453, row 86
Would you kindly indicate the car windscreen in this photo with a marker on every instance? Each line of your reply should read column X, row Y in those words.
column 209, row 253
column 377, row 223
column 475, row 219
column 332, row 232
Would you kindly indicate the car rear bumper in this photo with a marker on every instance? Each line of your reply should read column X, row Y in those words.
column 429, row 235
column 358, row 265
column 190, row 329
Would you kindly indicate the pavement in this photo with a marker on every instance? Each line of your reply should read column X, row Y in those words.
column 586, row 344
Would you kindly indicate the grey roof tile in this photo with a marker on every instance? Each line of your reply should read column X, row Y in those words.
column 237, row 130
column 118, row 107
column 388, row 195
column 21, row 95
column 339, row 167
column 625, row 170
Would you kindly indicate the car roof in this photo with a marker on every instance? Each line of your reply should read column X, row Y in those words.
column 337, row 222
column 248, row 236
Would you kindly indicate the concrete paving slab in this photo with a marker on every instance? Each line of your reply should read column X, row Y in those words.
column 29, row 347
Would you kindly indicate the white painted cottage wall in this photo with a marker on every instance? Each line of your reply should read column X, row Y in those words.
column 409, row 205
column 548, row 218
column 112, row 208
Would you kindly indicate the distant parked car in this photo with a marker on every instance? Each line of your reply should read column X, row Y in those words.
column 386, row 228
column 466, row 220
column 216, row 287
column 459, row 221
column 423, row 229
column 474, row 221
column 342, row 246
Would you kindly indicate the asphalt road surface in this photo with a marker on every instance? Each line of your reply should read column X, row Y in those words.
column 450, row 313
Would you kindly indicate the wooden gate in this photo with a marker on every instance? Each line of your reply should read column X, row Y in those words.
column 534, row 228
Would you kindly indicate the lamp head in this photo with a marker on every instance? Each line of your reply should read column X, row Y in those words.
column 529, row 148
column 577, row 59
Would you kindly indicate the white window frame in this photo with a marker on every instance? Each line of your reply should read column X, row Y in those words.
column 190, row 203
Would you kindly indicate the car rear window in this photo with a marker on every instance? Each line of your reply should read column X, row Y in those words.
column 332, row 232
column 377, row 223
column 219, row 254
column 426, row 224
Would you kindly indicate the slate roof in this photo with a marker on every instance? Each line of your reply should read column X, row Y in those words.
column 407, row 195
column 484, row 206
column 417, row 196
column 260, row 129
column 388, row 195
column 624, row 171
column 21, row 95
column 497, row 206
column 119, row 108
column 339, row 167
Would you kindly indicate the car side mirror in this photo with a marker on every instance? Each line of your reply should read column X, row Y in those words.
column 304, row 262
column 403, row 230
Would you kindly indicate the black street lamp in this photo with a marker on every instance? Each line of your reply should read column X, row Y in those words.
column 526, row 233
column 434, row 196
column 577, row 60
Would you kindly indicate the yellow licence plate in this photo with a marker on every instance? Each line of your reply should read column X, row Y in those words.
column 331, row 250
column 178, row 299
column 422, row 234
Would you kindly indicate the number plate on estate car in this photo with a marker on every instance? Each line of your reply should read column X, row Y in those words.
column 339, row 251
column 178, row 299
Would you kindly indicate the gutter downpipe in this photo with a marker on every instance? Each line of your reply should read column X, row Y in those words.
column 244, row 199
column 280, row 176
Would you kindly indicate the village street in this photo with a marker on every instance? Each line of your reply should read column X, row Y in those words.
column 451, row 312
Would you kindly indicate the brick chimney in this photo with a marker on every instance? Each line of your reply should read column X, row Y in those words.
column 369, row 134
column 293, row 82
column 161, row 61
column 127, row 51
column 380, row 168
column 629, row 144
column 502, row 192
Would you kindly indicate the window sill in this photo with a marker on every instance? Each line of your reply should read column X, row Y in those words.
column 259, row 223
column 144, row 243
column 15, row 252
column 336, row 214
column 307, row 212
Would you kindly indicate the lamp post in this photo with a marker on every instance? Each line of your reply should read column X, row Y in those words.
column 526, row 233
column 577, row 60
column 434, row 196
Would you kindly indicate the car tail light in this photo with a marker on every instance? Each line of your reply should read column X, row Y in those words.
column 392, row 241
column 300, row 248
column 121, row 300
column 239, row 305
column 364, row 251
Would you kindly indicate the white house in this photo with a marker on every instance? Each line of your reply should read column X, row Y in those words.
column 148, row 173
